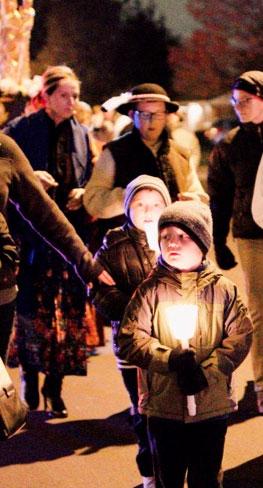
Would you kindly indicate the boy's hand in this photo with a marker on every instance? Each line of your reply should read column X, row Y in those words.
column 75, row 198
column 106, row 278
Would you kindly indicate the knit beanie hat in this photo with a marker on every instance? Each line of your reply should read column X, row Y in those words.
column 142, row 182
column 250, row 82
column 192, row 217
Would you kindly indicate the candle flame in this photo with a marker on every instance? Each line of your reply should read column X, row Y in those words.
column 182, row 320
column 151, row 230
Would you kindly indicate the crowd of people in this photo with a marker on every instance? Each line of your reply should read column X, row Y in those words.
column 104, row 220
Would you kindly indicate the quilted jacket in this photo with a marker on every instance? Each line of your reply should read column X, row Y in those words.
column 221, row 340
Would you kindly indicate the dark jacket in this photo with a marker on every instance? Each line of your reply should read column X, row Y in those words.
column 31, row 133
column 231, row 177
column 221, row 340
column 125, row 254
column 8, row 263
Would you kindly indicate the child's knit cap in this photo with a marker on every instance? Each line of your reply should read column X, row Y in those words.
column 191, row 216
column 143, row 182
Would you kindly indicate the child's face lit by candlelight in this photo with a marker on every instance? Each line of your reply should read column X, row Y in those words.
column 179, row 250
column 146, row 207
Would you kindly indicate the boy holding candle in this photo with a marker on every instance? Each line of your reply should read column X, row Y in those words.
column 183, row 441
column 129, row 252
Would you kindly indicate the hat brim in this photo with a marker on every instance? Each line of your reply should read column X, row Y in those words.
column 124, row 108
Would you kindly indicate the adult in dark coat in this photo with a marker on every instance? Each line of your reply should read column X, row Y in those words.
column 22, row 187
column 232, row 173
column 52, row 308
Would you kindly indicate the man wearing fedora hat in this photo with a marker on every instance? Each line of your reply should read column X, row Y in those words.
column 147, row 149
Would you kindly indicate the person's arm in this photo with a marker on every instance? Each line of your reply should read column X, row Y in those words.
column 101, row 199
column 135, row 341
column 109, row 301
column 237, row 337
column 188, row 182
column 8, row 248
column 195, row 155
column 221, row 188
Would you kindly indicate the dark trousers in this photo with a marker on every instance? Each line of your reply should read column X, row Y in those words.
column 129, row 376
column 196, row 449
column 6, row 323
column 144, row 457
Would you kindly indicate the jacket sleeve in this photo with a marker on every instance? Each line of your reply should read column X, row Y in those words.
column 135, row 341
column 43, row 214
column 237, row 337
column 221, row 191
column 100, row 199
column 189, row 184
column 110, row 301
column 8, row 249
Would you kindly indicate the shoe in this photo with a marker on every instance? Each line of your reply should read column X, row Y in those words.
column 55, row 407
column 92, row 351
column 260, row 401
column 29, row 388
column 51, row 391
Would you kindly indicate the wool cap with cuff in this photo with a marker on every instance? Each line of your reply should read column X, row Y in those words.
column 250, row 82
column 192, row 217
column 145, row 182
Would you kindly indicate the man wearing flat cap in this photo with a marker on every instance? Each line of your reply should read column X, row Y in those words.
column 232, row 173
column 147, row 149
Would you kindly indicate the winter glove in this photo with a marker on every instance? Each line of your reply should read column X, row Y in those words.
column 192, row 383
column 224, row 257
column 190, row 377
column 184, row 361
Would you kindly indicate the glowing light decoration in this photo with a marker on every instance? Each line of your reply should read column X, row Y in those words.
column 182, row 320
column 16, row 22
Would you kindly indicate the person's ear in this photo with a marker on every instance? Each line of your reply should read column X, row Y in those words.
column 131, row 114
column 44, row 97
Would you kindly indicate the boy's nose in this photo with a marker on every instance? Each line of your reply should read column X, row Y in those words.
column 174, row 242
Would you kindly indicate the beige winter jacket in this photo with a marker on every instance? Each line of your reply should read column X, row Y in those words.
column 221, row 340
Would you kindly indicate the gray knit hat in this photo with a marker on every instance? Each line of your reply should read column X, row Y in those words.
column 142, row 182
column 191, row 216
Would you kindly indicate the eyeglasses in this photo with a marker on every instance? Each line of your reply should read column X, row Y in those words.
column 241, row 103
column 150, row 115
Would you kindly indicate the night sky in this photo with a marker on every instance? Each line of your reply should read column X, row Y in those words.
column 176, row 16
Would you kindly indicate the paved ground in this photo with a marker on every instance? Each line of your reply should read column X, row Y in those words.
column 95, row 447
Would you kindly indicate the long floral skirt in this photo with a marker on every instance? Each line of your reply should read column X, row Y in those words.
column 55, row 323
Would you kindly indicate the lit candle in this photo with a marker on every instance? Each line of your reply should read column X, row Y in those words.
column 182, row 321
column 151, row 230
